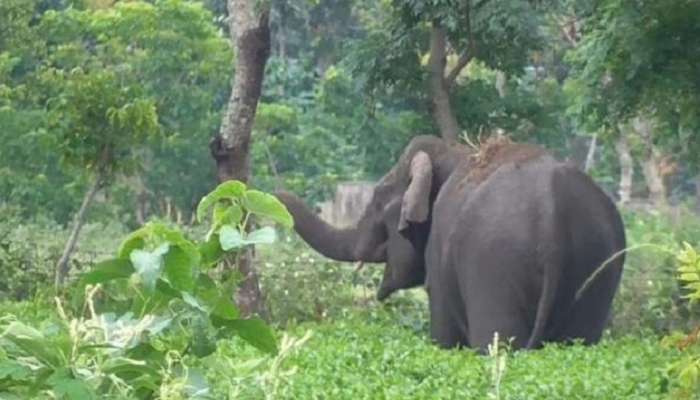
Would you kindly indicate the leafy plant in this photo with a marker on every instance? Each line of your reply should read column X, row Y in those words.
column 145, row 312
column 650, row 296
column 686, row 370
column 366, row 354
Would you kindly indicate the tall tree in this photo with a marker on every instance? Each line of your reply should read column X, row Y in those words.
column 250, row 33
column 637, row 65
column 445, row 36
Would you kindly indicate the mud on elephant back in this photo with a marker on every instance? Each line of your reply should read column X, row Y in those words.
column 505, row 239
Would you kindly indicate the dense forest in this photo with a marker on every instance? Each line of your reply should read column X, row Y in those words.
column 154, row 156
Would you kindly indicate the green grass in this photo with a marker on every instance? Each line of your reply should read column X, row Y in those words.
column 361, row 349
column 375, row 354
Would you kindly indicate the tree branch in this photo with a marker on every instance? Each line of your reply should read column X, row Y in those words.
column 461, row 63
column 467, row 56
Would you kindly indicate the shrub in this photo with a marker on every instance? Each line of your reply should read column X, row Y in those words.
column 650, row 298
column 145, row 314
column 368, row 355
column 29, row 251
column 301, row 285
column 685, row 371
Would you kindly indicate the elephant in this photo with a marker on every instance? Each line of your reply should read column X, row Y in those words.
column 505, row 238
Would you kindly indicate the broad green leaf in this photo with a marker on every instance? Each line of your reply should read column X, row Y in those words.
column 166, row 289
column 268, row 206
column 35, row 344
column 230, row 238
column 67, row 387
column 202, row 343
column 13, row 370
column 204, row 282
column 179, row 268
column 228, row 190
column 148, row 265
column 108, row 270
column 256, row 332
column 217, row 302
column 177, row 238
column 194, row 302
column 227, row 214
column 130, row 244
column 265, row 235
column 122, row 365
column 211, row 250
column 225, row 308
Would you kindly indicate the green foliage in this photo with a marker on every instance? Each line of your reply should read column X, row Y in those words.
column 332, row 126
column 650, row 298
column 686, row 370
column 372, row 353
column 304, row 286
column 637, row 57
column 100, row 121
column 30, row 249
column 158, row 66
column 689, row 269
column 144, row 315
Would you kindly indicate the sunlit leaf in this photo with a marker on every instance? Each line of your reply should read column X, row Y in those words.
column 148, row 265
column 268, row 206
column 108, row 270
column 179, row 268
column 229, row 190
column 256, row 332
column 230, row 238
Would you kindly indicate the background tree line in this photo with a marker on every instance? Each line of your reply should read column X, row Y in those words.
column 347, row 84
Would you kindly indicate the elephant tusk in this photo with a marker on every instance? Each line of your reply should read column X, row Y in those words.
column 360, row 265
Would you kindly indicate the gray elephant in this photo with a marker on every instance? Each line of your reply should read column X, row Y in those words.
column 506, row 239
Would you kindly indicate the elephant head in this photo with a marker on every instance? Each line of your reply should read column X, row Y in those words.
column 395, row 225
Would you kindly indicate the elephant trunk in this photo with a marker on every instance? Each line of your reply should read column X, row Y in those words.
column 341, row 244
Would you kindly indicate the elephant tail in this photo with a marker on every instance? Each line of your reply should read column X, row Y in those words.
column 545, row 305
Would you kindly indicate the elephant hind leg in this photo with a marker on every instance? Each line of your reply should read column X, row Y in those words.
column 590, row 314
column 448, row 325
column 509, row 326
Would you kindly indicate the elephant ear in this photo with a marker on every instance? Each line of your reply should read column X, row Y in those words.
column 415, row 206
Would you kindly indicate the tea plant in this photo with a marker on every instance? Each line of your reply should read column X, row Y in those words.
column 143, row 314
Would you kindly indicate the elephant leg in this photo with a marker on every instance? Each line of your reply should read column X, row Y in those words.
column 590, row 314
column 447, row 326
column 511, row 326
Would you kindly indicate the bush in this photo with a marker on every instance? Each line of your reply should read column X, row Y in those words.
column 301, row 285
column 685, row 371
column 370, row 355
column 144, row 316
column 650, row 298
column 29, row 251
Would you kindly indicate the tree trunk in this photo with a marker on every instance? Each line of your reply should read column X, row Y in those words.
column 654, row 181
column 439, row 90
column 63, row 264
column 626, row 168
column 652, row 162
column 250, row 32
